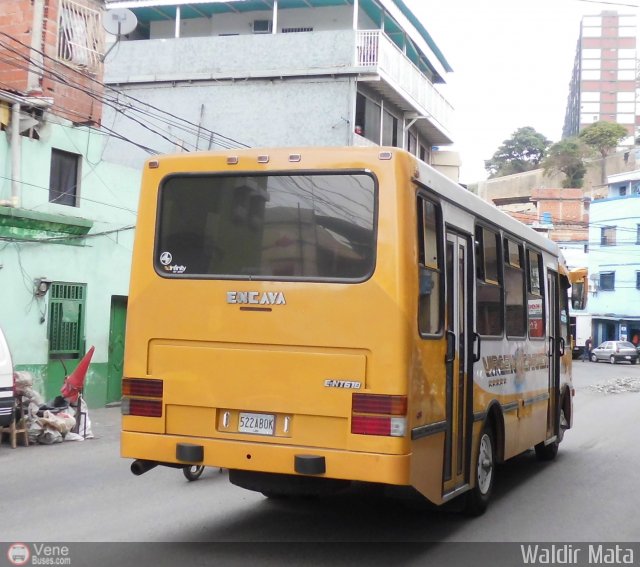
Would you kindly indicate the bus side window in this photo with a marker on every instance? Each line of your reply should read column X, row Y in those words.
column 429, row 268
column 514, row 288
column 489, row 284
column 535, row 297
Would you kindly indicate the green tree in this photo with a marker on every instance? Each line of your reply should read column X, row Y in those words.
column 603, row 137
column 522, row 152
column 568, row 156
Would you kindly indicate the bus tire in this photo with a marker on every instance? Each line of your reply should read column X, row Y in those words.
column 192, row 472
column 477, row 499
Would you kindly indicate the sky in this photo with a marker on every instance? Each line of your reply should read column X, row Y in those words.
column 512, row 62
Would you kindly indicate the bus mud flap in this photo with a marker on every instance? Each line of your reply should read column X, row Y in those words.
column 309, row 464
column 189, row 452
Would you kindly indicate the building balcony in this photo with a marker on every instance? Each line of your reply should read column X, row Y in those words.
column 395, row 76
column 370, row 56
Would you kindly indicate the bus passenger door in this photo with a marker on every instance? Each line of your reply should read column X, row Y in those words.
column 458, row 376
column 553, row 349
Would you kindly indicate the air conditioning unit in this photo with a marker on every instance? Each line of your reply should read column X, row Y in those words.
column 262, row 26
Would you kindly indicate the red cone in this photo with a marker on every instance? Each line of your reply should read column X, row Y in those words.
column 75, row 381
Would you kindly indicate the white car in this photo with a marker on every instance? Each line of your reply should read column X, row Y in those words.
column 615, row 351
column 6, row 383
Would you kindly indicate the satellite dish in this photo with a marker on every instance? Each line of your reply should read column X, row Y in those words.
column 119, row 22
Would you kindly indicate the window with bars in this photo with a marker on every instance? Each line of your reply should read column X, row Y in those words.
column 66, row 319
column 80, row 35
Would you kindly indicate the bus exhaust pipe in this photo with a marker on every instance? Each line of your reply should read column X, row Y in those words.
column 140, row 466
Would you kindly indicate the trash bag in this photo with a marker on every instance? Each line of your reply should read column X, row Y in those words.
column 61, row 422
column 50, row 437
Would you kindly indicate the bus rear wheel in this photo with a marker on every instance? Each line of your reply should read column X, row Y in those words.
column 192, row 472
column 478, row 497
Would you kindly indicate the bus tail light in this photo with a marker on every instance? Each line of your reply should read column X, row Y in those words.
column 142, row 387
column 392, row 422
column 378, row 425
column 375, row 403
column 142, row 408
column 142, row 397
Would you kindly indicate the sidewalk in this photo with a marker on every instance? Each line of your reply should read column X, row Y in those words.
column 105, row 426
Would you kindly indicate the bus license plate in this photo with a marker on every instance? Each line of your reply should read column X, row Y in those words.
column 257, row 423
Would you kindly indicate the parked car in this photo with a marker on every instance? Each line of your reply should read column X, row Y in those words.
column 6, row 383
column 615, row 351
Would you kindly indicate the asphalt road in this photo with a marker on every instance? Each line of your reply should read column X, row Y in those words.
column 84, row 492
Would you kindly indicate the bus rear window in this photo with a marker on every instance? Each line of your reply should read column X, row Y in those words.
column 311, row 226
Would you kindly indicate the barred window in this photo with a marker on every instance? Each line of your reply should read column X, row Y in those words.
column 80, row 36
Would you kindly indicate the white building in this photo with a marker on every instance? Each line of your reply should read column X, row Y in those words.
column 282, row 73
column 614, row 260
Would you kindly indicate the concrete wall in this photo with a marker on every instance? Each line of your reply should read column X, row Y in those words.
column 240, row 57
column 256, row 113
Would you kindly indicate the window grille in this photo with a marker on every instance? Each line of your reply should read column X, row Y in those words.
column 66, row 320
column 80, row 37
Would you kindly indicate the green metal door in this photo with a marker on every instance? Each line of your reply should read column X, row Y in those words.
column 67, row 306
column 116, row 347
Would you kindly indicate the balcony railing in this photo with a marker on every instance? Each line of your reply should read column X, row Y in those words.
column 376, row 51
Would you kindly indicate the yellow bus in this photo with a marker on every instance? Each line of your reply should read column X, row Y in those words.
column 308, row 318
column 579, row 317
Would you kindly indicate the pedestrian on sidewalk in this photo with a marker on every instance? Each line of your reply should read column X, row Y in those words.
column 586, row 355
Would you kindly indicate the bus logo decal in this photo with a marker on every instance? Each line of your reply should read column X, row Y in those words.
column 256, row 298
column 350, row 384
column 165, row 258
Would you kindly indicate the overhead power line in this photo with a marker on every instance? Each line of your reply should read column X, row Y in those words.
column 196, row 130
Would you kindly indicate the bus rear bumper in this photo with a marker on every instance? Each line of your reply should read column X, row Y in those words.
column 268, row 457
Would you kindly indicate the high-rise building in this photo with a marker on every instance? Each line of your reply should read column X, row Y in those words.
column 603, row 84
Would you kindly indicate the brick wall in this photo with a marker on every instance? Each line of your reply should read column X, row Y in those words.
column 569, row 212
column 15, row 20
column 76, row 92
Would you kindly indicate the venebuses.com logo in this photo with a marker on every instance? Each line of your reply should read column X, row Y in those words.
column 38, row 554
column 18, row 554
